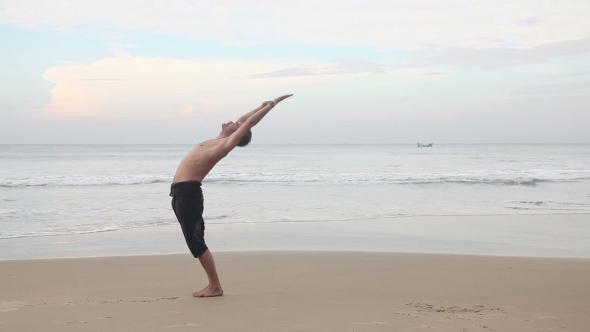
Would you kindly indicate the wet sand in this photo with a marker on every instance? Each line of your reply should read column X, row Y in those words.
column 557, row 235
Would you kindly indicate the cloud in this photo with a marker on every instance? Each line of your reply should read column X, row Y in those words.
column 127, row 86
column 287, row 72
column 556, row 89
column 531, row 21
column 101, row 79
column 333, row 68
column 498, row 56
column 579, row 73
column 391, row 24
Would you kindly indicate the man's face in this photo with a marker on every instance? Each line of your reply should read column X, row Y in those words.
column 231, row 126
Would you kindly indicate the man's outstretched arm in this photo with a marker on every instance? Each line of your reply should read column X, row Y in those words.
column 256, row 117
column 246, row 116
column 253, row 120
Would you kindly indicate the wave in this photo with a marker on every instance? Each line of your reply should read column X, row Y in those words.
column 58, row 181
column 401, row 178
column 491, row 177
column 222, row 219
column 55, row 229
column 549, row 203
column 85, row 229
column 7, row 211
column 553, row 205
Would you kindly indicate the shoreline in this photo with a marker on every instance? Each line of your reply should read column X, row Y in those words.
column 297, row 291
column 557, row 235
column 314, row 221
column 300, row 251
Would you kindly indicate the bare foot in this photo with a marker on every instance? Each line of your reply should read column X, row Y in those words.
column 196, row 294
column 209, row 291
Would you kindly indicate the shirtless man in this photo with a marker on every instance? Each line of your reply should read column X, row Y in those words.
column 187, row 196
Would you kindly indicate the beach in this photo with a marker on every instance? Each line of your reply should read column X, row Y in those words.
column 306, row 238
column 363, row 275
column 298, row 291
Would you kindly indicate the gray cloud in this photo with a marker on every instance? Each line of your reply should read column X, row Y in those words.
column 557, row 89
column 351, row 66
column 499, row 57
column 391, row 24
column 578, row 73
column 531, row 21
column 286, row 72
column 102, row 79
column 449, row 56
column 347, row 66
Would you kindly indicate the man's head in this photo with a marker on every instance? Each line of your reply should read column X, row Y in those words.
column 228, row 128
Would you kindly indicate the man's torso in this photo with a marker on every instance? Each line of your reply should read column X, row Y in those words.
column 200, row 160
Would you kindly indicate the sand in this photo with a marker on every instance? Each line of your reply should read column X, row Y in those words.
column 298, row 291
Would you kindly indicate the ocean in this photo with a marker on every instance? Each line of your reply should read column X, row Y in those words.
column 77, row 189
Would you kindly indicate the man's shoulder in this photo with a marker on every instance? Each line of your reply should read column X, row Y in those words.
column 207, row 144
column 212, row 146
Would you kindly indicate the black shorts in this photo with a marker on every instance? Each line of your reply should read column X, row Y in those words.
column 187, row 203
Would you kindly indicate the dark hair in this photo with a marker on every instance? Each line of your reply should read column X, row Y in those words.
column 246, row 139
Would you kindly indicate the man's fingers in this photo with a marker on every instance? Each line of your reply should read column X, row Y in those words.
column 282, row 98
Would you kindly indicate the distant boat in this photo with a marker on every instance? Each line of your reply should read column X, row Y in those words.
column 420, row 145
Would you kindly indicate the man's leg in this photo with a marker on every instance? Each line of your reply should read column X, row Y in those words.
column 214, row 287
column 193, row 229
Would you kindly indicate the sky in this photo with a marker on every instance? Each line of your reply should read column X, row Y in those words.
column 362, row 72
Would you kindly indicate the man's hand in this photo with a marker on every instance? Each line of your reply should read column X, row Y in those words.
column 281, row 98
column 246, row 116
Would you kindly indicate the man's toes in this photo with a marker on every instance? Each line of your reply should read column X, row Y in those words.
column 200, row 293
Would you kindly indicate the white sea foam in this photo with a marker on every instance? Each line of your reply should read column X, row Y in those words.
column 525, row 177
column 513, row 177
column 42, row 181
column 84, row 229
column 7, row 211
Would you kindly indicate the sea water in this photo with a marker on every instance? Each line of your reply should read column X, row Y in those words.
column 76, row 189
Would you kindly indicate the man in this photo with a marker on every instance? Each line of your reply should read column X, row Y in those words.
column 187, row 196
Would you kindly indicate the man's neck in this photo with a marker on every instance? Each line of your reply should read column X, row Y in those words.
column 223, row 134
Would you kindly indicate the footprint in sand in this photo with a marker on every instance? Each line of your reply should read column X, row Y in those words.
column 185, row 325
column 170, row 312
column 149, row 299
column 11, row 306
